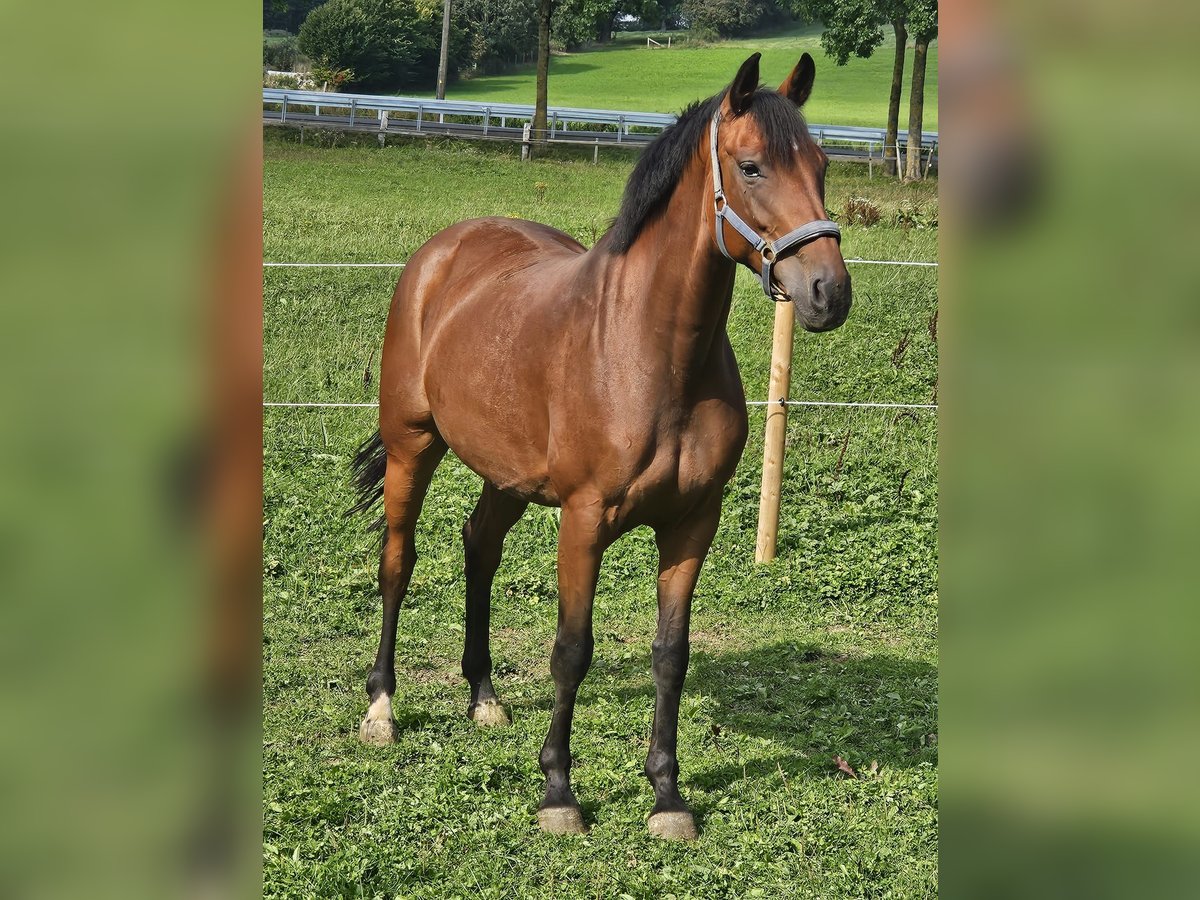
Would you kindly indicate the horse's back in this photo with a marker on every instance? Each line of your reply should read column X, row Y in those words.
column 477, row 260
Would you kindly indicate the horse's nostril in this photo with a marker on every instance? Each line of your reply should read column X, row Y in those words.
column 820, row 298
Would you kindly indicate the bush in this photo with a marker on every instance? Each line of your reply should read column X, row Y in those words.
column 913, row 215
column 387, row 44
column 296, row 82
column 281, row 54
column 327, row 78
column 861, row 211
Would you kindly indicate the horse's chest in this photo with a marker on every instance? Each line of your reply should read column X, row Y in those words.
column 711, row 447
column 698, row 458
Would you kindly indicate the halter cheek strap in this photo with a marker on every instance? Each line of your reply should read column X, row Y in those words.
column 770, row 250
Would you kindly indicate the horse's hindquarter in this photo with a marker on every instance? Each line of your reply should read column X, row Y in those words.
column 487, row 302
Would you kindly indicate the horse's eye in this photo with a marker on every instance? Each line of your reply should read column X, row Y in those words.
column 750, row 170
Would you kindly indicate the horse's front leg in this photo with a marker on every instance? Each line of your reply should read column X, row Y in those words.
column 681, row 551
column 582, row 539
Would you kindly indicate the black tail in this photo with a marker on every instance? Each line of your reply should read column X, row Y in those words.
column 370, row 463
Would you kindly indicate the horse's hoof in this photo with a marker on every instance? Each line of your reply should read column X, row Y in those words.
column 489, row 713
column 378, row 727
column 673, row 826
column 379, row 732
column 561, row 820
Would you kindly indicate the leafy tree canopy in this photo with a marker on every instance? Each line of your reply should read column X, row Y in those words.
column 728, row 18
column 387, row 44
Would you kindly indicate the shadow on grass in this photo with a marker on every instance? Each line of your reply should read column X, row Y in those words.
column 779, row 711
column 809, row 702
column 501, row 84
column 799, row 703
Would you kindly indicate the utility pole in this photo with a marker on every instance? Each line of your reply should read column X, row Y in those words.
column 444, row 58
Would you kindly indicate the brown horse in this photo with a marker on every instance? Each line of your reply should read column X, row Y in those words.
column 600, row 381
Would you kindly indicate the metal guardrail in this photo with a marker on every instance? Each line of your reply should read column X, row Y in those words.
column 471, row 118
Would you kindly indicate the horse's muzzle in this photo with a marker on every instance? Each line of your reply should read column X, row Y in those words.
column 822, row 297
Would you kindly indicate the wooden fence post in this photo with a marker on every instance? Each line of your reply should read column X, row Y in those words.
column 525, row 141
column 775, row 437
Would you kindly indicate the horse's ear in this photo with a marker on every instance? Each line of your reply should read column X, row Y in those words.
column 799, row 84
column 745, row 83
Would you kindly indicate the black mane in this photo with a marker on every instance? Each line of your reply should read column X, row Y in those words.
column 662, row 164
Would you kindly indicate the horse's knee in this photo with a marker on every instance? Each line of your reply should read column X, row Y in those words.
column 397, row 558
column 472, row 542
column 481, row 549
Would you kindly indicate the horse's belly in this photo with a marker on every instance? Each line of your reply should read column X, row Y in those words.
column 500, row 446
column 484, row 375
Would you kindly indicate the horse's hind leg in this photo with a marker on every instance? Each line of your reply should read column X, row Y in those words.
column 410, row 468
column 483, row 542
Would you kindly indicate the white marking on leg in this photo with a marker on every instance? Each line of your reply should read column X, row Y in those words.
column 490, row 713
column 381, row 708
column 378, row 726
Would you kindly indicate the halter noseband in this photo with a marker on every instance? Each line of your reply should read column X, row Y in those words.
column 770, row 250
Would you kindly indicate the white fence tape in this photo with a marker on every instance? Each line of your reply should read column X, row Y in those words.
column 400, row 265
column 749, row 403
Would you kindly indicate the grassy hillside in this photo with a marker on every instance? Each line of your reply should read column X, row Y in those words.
column 831, row 650
column 625, row 75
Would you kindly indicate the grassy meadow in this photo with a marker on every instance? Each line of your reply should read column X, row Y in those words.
column 627, row 75
column 829, row 651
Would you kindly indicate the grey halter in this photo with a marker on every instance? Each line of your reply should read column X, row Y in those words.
column 770, row 250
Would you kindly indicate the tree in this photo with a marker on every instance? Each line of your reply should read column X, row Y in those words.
column 545, row 10
column 728, row 18
column 855, row 28
column 502, row 31
column 923, row 21
column 444, row 54
column 891, row 134
column 578, row 22
column 286, row 15
column 388, row 44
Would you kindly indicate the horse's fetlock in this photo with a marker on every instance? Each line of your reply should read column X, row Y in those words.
column 660, row 765
column 379, row 682
column 553, row 759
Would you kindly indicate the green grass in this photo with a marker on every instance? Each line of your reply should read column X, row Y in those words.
column 625, row 75
column 829, row 650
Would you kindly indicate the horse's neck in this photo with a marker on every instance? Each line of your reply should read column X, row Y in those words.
column 673, row 298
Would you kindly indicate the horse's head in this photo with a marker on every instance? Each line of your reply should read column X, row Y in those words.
column 769, row 180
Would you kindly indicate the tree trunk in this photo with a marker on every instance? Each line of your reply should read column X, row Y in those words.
column 443, row 57
column 891, row 164
column 543, row 69
column 916, row 109
column 604, row 26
